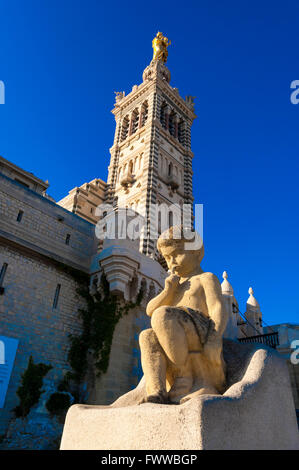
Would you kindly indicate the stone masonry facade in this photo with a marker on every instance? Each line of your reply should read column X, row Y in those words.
column 41, row 244
column 27, row 314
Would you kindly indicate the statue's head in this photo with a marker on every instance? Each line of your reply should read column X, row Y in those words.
column 182, row 249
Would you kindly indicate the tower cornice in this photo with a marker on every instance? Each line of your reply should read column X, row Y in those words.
column 157, row 83
column 125, row 102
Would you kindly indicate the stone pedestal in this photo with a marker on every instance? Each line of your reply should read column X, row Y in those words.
column 256, row 412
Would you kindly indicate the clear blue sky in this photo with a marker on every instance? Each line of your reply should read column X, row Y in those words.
column 61, row 62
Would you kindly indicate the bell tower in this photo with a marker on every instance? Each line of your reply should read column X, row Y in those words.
column 151, row 157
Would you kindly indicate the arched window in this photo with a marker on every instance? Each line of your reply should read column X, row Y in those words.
column 170, row 169
column 181, row 131
column 144, row 114
column 172, row 123
column 163, row 114
column 125, row 128
column 133, row 287
column 135, row 120
column 143, row 286
column 170, row 219
column 131, row 167
column 152, row 292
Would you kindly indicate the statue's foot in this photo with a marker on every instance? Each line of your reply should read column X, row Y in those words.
column 208, row 390
column 160, row 397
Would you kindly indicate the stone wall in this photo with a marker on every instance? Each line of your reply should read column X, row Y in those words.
column 40, row 249
column 27, row 179
column 44, row 226
column 84, row 200
column 27, row 314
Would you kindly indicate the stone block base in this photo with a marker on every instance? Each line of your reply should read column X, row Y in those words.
column 256, row 412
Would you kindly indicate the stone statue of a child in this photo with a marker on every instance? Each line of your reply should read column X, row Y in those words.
column 181, row 354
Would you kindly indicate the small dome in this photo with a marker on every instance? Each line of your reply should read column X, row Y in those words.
column 225, row 286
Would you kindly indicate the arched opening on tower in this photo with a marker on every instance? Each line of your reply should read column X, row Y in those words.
column 144, row 114
column 163, row 114
column 181, row 129
column 134, row 121
column 172, row 124
column 125, row 128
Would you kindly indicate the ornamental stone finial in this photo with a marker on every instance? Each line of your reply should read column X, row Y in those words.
column 226, row 286
column 252, row 300
column 119, row 95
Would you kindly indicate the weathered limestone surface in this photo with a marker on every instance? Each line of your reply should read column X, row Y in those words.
column 255, row 412
column 27, row 314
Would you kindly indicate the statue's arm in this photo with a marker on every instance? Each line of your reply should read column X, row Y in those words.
column 165, row 297
column 161, row 299
column 214, row 300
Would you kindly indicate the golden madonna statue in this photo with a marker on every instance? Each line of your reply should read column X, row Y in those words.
column 160, row 44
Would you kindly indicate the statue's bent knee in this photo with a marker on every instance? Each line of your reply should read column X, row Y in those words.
column 146, row 337
column 159, row 316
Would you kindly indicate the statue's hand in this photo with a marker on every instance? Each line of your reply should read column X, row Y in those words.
column 172, row 282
